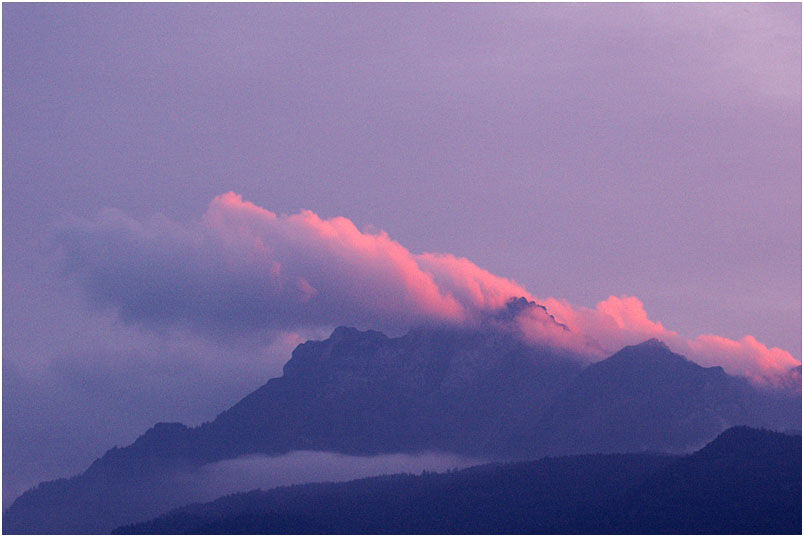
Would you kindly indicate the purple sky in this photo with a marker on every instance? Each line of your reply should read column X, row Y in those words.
column 582, row 151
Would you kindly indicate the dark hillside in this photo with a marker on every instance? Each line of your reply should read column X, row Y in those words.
column 746, row 481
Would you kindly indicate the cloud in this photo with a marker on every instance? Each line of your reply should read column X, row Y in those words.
column 115, row 390
column 259, row 471
column 619, row 321
column 242, row 269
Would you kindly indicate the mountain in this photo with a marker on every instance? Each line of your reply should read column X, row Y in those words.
column 746, row 481
column 365, row 393
column 480, row 392
column 359, row 393
column 647, row 398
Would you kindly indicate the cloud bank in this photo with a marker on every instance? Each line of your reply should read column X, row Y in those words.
column 242, row 269
column 263, row 472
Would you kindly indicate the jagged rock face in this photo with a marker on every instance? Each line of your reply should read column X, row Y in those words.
column 517, row 306
column 362, row 392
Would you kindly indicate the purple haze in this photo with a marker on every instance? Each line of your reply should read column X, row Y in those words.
column 580, row 150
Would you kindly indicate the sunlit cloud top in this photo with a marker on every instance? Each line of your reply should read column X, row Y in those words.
column 242, row 268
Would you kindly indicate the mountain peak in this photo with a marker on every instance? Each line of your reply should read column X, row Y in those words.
column 344, row 331
column 654, row 344
column 350, row 332
column 655, row 354
column 651, row 349
column 749, row 441
column 515, row 306
column 652, row 358
column 519, row 305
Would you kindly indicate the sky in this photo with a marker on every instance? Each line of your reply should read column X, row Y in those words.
column 189, row 191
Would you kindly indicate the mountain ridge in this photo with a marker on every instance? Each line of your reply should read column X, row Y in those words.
column 615, row 493
column 470, row 392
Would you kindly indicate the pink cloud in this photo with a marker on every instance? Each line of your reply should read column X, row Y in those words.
column 619, row 321
column 244, row 268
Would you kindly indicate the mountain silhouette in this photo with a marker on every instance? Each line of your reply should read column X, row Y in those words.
column 746, row 481
column 647, row 398
column 478, row 392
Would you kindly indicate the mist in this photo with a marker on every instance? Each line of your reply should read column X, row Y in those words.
column 265, row 472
